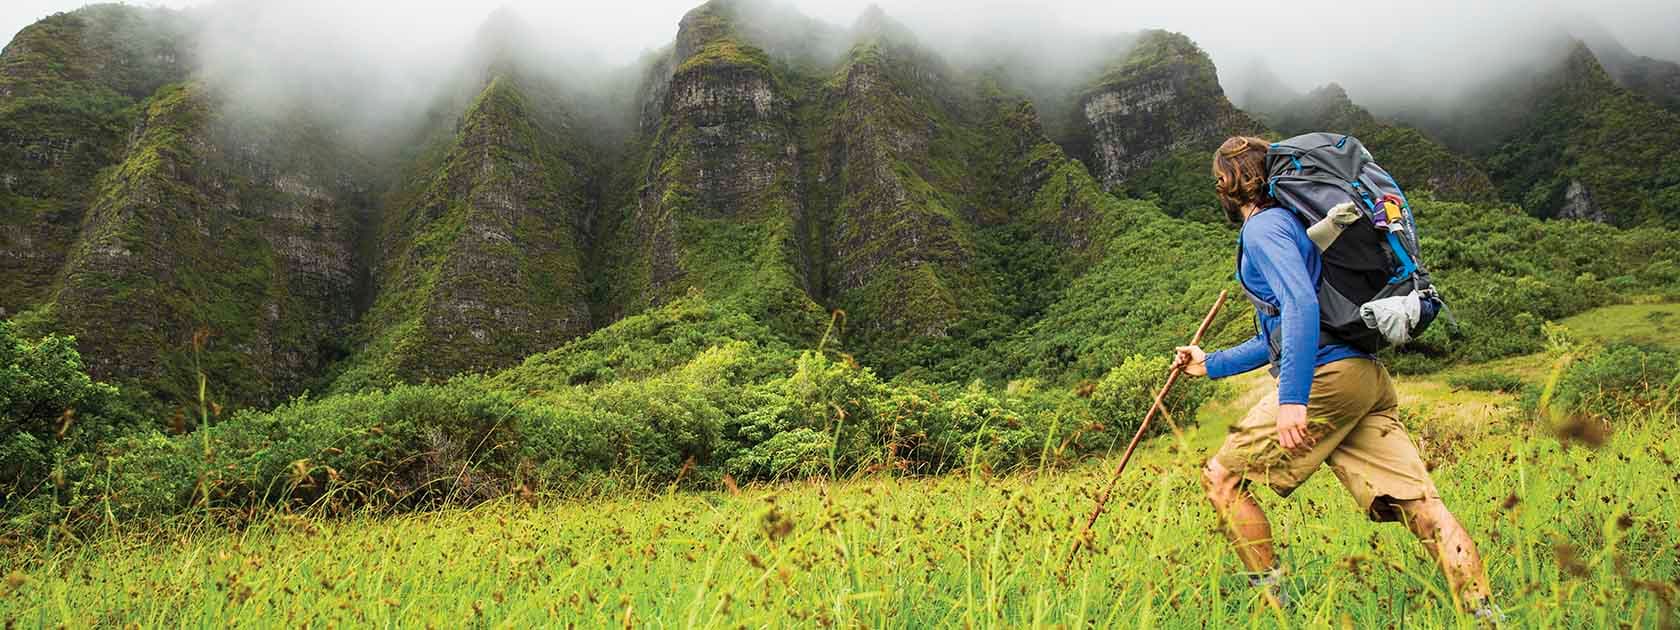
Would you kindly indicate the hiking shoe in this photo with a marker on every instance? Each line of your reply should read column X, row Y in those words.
column 1488, row 613
column 1272, row 584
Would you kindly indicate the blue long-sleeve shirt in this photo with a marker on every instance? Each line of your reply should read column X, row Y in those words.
column 1281, row 266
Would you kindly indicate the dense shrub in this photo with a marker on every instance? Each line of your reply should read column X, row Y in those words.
column 472, row 438
column 1486, row 381
column 1615, row 382
column 419, row 445
column 1124, row 396
column 49, row 409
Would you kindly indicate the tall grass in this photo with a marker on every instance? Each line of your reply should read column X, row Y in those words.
column 1572, row 536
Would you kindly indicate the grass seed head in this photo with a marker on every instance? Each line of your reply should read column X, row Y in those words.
column 1569, row 560
column 1580, row 429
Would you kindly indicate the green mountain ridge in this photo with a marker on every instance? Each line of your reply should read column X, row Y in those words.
column 768, row 166
column 484, row 259
column 1592, row 150
column 70, row 88
column 1407, row 153
column 1656, row 79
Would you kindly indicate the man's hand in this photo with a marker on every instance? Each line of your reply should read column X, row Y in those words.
column 1292, row 428
column 1192, row 359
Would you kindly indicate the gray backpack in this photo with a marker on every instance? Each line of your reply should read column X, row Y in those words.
column 1374, row 291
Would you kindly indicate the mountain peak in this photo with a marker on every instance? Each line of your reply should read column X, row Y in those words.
column 1331, row 91
column 1655, row 79
column 1581, row 69
column 1161, row 97
column 126, row 49
column 1259, row 89
column 874, row 22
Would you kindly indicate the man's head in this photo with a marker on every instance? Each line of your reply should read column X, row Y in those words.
column 1239, row 173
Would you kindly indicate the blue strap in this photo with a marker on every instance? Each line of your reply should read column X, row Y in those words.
column 1364, row 194
column 1405, row 207
column 1260, row 306
column 1407, row 267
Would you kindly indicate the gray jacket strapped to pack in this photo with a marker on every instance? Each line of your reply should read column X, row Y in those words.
column 1374, row 291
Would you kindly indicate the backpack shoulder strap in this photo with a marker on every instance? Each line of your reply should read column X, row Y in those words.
column 1260, row 305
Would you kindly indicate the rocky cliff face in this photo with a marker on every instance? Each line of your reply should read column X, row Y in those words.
column 482, row 255
column 850, row 178
column 900, row 243
column 715, row 203
column 1164, row 96
column 136, row 214
column 67, row 84
column 202, row 250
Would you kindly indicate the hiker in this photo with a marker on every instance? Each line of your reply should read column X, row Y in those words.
column 1334, row 404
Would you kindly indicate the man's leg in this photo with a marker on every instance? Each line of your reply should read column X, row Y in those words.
column 1240, row 517
column 1446, row 539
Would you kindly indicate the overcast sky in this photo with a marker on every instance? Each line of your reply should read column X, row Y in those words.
column 1314, row 41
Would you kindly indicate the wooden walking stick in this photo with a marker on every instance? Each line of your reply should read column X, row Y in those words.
column 1160, row 398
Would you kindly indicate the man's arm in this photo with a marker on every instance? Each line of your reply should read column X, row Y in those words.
column 1244, row 357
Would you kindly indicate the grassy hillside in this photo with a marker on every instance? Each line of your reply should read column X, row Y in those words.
column 1573, row 536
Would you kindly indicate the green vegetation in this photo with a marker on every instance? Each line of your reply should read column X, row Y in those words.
column 1504, row 274
column 695, row 392
column 49, row 411
column 1640, row 324
column 1606, row 384
column 870, row 290
column 1487, row 381
column 1180, row 184
column 1574, row 537
column 1586, row 129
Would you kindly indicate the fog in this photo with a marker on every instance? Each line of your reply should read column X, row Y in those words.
column 390, row 60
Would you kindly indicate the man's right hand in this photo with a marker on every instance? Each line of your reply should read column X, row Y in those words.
column 1192, row 359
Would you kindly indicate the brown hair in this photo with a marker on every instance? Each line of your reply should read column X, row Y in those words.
column 1239, row 172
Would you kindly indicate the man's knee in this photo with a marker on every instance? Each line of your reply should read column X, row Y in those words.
column 1219, row 482
column 1424, row 516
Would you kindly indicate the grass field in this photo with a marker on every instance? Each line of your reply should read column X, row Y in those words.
column 1653, row 324
column 1572, row 537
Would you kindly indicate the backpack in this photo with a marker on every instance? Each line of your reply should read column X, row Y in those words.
column 1374, row 291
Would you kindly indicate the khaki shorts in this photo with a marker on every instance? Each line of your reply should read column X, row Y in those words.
column 1353, row 413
